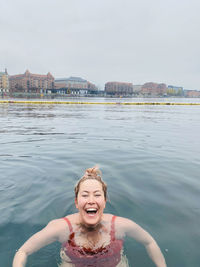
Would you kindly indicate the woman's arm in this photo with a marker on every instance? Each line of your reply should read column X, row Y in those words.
column 139, row 234
column 46, row 236
column 20, row 259
column 155, row 254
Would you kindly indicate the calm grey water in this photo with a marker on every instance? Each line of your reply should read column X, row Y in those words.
column 149, row 156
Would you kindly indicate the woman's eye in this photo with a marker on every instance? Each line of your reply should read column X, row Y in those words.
column 97, row 195
column 84, row 195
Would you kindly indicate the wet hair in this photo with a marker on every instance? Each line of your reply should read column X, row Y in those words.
column 93, row 174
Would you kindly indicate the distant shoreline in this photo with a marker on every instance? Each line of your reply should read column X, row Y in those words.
column 61, row 96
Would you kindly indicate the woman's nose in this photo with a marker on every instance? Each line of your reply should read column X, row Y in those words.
column 91, row 199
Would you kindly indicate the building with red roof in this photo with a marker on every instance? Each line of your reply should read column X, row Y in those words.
column 29, row 82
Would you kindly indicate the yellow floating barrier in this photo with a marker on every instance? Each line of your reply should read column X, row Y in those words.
column 93, row 103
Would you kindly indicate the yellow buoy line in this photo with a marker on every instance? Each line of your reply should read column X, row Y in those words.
column 93, row 103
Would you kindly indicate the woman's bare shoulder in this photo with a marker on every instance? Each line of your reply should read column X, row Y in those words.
column 123, row 224
column 57, row 225
column 73, row 218
column 61, row 223
column 123, row 220
column 118, row 219
column 60, row 226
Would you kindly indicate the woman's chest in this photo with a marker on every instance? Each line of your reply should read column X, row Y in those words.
column 92, row 240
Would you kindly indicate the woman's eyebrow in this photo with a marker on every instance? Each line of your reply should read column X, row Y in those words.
column 85, row 191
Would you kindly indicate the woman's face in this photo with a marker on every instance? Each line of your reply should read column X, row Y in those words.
column 90, row 202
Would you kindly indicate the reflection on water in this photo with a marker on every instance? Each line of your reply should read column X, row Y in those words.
column 149, row 155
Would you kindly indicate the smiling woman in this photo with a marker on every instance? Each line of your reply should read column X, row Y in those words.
column 90, row 237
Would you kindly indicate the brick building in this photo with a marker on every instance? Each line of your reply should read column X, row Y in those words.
column 192, row 93
column 154, row 89
column 118, row 88
column 92, row 88
column 29, row 82
column 4, row 82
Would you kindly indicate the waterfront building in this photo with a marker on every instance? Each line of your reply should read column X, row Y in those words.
column 154, row 89
column 192, row 93
column 4, row 82
column 119, row 88
column 33, row 83
column 74, row 86
column 92, row 88
column 175, row 90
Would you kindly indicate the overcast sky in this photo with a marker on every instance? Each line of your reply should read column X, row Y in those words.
column 134, row 41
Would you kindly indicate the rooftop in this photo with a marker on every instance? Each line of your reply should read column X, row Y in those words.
column 72, row 79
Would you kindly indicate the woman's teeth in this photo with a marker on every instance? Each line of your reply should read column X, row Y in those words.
column 91, row 211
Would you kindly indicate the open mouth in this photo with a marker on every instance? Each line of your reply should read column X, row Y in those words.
column 91, row 211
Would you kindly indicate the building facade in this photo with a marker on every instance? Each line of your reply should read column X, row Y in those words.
column 74, row 86
column 175, row 90
column 92, row 88
column 154, row 89
column 119, row 88
column 4, row 82
column 192, row 93
column 29, row 82
column 137, row 89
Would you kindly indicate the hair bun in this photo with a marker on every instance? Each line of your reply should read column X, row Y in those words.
column 93, row 172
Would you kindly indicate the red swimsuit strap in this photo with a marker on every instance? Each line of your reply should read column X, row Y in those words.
column 112, row 230
column 69, row 225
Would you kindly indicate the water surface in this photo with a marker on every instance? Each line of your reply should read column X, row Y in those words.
column 149, row 156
